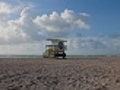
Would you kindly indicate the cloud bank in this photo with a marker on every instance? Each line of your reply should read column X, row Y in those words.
column 65, row 21
column 28, row 28
column 21, row 30
column 88, row 45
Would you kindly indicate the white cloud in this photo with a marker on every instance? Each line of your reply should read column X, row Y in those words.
column 28, row 28
column 19, row 30
column 94, row 45
column 63, row 22
column 85, row 14
column 21, row 34
column 88, row 42
column 22, row 49
column 6, row 8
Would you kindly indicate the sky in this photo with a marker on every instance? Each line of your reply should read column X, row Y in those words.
column 91, row 27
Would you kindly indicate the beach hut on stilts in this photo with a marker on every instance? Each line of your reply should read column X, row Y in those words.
column 56, row 49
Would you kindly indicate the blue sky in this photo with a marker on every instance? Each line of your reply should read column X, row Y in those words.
column 90, row 26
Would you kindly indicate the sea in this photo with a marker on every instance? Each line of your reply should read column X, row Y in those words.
column 40, row 56
column 21, row 56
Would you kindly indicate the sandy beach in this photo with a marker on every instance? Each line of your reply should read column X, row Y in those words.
column 102, row 73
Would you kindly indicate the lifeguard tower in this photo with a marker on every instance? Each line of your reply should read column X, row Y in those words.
column 56, row 49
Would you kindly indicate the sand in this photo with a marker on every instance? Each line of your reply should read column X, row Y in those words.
column 101, row 73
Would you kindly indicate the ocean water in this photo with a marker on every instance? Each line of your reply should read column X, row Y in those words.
column 40, row 56
column 20, row 56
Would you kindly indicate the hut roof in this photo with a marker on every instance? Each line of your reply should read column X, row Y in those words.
column 56, row 39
